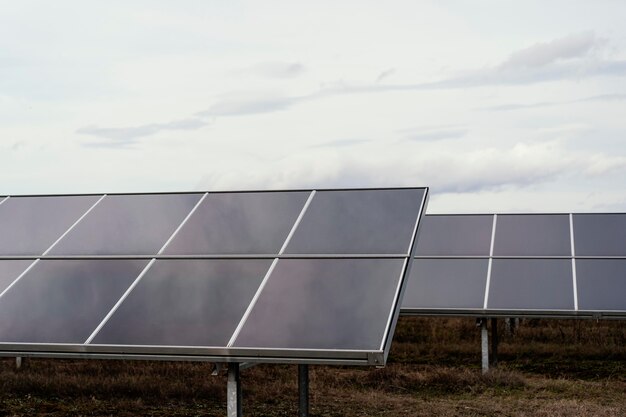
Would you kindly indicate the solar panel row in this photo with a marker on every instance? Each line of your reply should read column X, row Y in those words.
column 297, row 275
column 520, row 264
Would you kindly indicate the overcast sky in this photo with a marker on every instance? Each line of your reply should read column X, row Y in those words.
column 498, row 106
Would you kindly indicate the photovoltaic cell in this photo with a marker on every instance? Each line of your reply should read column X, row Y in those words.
column 10, row 270
column 186, row 303
column 128, row 225
column 532, row 235
column 600, row 234
column 462, row 235
column 601, row 284
column 531, row 284
column 323, row 304
column 63, row 301
column 30, row 225
column 446, row 283
column 358, row 222
column 239, row 223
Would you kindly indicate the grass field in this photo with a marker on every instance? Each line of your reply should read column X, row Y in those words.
column 547, row 368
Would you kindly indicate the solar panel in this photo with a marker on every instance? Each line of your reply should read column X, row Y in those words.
column 447, row 283
column 531, row 284
column 30, row 225
column 186, row 303
column 62, row 301
column 127, row 225
column 463, row 235
column 532, row 235
column 197, row 275
column 238, row 223
column 539, row 265
column 600, row 234
column 10, row 270
column 601, row 284
column 357, row 222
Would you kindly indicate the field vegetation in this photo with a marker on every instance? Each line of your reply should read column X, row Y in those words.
column 546, row 368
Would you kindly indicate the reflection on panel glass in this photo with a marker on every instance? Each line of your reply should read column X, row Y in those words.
column 233, row 223
column 186, row 303
column 527, row 284
column 600, row 234
column 532, row 235
column 64, row 301
column 128, row 225
column 323, row 304
column 358, row 221
column 446, row 283
column 30, row 225
column 460, row 235
column 10, row 270
column 601, row 284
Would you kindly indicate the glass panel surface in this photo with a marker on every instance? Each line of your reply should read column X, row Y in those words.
column 532, row 235
column 128, row 225
column 601, row 284
column 446, row 283
column 64, row 301
column 527, row 284
column 10, row 270
column 30, row 225
column 358, row 221
column 239, row 223
column 186, row 303
column 460, row 235
column 600, row 234
column 323, row 304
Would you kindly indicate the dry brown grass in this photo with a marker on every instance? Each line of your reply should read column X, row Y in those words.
column 548, row 368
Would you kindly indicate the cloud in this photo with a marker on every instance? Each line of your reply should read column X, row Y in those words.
column 274, row 69
column 444, row 169
column 545, row 53
column 431, row 134
column 341, row 143
column 521, row 106
column 125, row 136
column 385, row 74
column 240, row 104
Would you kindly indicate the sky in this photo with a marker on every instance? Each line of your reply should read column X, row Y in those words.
column 496, row 105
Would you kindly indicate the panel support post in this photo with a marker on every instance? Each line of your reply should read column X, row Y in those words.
column 18, row 362
column 233, row 391
column 494, row 341
column 303, row 390
column 484, row 344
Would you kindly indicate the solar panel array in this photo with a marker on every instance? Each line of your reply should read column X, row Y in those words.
column 291, row 276
column 520, row 265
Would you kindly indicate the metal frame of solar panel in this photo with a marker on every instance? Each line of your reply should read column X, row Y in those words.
column 291, row 276
column 520, row 265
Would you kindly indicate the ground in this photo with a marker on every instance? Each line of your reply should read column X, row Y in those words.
column 546, row 368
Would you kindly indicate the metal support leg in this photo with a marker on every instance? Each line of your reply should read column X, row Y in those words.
column 18, row 362
column 494, row 341
column 484, row 345
column 233, row 391
column 303, row 390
